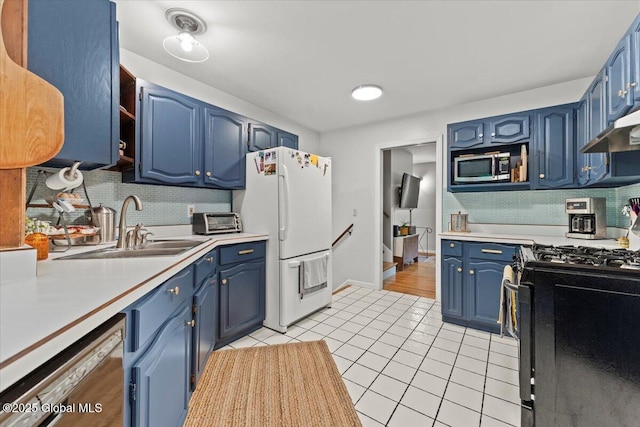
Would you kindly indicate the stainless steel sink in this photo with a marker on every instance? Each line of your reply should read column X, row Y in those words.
column 149, row 249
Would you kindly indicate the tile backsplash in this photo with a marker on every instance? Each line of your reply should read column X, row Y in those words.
column 162, row 205
column 542, row 207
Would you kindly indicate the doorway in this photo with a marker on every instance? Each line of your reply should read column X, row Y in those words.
column 416, row 275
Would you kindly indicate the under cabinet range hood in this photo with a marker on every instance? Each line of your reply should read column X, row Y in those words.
column 622, row 135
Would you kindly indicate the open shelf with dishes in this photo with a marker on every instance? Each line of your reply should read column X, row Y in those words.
column 127, row 120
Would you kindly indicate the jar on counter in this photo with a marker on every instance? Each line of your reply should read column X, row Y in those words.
column 40, row 242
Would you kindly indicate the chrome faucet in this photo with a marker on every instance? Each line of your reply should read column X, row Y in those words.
column 122, row 226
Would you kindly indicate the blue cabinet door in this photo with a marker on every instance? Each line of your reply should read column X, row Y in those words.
column 466, row 135
column 74, row 46
column 261, row 136
column 286, row 139
column 554, row 147
column 582, row 132
column 242, row 300
column 452, row 287
column 483, row 283
column 224, row 149
column 204, row 331
column 635, row 59
column 618, row 72
column 169, row 136
column 161, row 376
column 510, row 129
column 596, row 119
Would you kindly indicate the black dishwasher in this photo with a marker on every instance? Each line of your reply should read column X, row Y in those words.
column 81, row 386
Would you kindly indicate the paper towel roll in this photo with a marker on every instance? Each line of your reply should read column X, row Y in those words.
column 65, row 179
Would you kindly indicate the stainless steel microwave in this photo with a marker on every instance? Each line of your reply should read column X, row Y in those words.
column 482, row 168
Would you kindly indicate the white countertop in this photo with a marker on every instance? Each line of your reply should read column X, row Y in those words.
column 42, row 315
column 541, row 234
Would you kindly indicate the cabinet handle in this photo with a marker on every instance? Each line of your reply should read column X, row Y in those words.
column 493, row 134
column 174, row 291
column 480, row 135
column 472, row 272
column 586, row 168
column 622, row 93
column 492, row 251
column 245, row 252
column 541, row 176
column 208, row 173
column 459, row 269
column 452, row 245
column 210, row 259
column 197, row 173
column 191, row 323
column 632, row 84
column 224, row 281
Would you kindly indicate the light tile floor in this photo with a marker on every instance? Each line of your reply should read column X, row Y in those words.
column 404, row 367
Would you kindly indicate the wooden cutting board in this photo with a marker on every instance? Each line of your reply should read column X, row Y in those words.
column 31, row 115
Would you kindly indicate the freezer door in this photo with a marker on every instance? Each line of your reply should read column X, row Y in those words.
column 292, row 306
column 304, row 194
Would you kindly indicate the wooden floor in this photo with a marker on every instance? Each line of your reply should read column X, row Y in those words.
column 416, row 279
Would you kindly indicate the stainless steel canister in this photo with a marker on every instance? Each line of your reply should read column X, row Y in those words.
column 105, row 218
column 459, row 222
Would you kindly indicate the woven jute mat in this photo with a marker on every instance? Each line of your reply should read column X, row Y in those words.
column 281, row 385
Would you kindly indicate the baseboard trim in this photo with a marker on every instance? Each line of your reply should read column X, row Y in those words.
column 358, row 283
column 388, row 273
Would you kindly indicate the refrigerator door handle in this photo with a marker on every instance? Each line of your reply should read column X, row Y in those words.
column 284, row 200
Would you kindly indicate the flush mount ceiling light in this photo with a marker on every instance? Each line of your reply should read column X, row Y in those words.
column 184, row 45
column 366, row 92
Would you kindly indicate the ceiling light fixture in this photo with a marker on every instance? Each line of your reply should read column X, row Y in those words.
column 366, row 92
column 184, row 45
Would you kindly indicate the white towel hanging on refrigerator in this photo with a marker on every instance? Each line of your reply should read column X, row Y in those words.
column 313, row 275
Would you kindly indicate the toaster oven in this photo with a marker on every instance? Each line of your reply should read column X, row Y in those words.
column 216, row 222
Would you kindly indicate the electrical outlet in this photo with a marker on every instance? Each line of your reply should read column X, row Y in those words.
column 190, row 210
column 355, row 212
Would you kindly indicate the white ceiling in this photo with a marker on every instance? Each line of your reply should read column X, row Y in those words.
column 301, row 59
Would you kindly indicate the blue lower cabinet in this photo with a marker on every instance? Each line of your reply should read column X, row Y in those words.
column 204, row 329
column 452, row 292
column 242, row 299
column 160, row 378
column 484, row 280
column 471, row 283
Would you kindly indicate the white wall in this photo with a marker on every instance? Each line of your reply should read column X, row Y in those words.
column 356, row 168
column 308, row 140
column 425, row 215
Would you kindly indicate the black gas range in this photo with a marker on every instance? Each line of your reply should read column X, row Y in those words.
column 579, row 336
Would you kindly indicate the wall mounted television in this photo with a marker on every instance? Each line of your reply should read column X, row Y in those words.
column 409, row 191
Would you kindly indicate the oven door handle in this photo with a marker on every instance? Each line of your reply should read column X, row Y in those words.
column 526, row 342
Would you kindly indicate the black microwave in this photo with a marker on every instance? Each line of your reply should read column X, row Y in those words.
column 482, row 168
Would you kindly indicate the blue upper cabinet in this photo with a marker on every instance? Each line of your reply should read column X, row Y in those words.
column 466, row 135
column 224, row 148
column 508, row 129
column 618, row 71
column 261, row 136
column 286, row 139
column 597, row 105
column 74, row 46
column 635, row 59
column 582, row 132
column 554, row 145
column 169, row 143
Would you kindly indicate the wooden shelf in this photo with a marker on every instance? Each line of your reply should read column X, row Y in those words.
column 126, row 116
column 124, row 163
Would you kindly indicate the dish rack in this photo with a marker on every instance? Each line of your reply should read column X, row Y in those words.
column 55, row 204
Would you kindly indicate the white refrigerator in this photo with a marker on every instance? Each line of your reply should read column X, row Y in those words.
column 288, row 196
